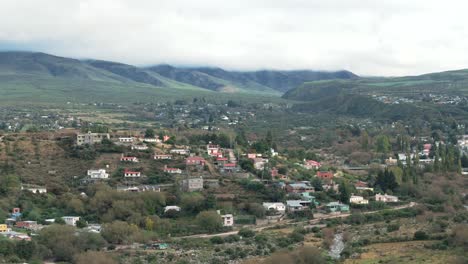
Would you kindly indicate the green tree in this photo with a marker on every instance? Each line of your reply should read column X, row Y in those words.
column 119, row 232
column 61, row 240
column 364, row 140
column 345, row 192
column 149, row 133
column 209, row 220
column 383, row 144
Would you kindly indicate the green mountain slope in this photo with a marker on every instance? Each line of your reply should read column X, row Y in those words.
column 358, row 97
column 34, row 76
column 260, row 81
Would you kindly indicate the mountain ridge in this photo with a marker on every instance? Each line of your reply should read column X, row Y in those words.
column 210, row 78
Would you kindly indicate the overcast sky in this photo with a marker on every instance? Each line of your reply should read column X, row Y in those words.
column 368, row 37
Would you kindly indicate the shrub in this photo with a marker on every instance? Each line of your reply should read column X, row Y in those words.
column 420, row 235
column 217, row 240
column 244, row 232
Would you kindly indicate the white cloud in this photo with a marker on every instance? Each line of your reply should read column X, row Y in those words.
column 385, row 37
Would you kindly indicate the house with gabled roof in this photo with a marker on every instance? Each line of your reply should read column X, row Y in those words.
column 128, row 173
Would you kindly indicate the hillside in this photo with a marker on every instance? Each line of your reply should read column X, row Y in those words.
column 43, row 78
column 443, row 83
column 216, row 78
column 428, row 96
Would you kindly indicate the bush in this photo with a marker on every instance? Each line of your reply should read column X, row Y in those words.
column 393, row 227
column 231, row 238
column 420, row 235
column 217, row 240
column 244, row 232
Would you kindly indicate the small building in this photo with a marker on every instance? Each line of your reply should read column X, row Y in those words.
column 129, row 159
column 274, row 172
column 311, row 164
column 180, row 151
column 192, row 184
column 355, row 199
column 30, row 225
column 129, row 173
column 363, row 186
column 151, row 140
column 229, row 168
column 126, row 139
column 228, row 220
column 279, row 207
column 195, row 160
column 337, row 207
column 162, row 157
column 306, row 196
column 34, row 189
column 259, row 163
column 299, row 187
column 220, row 161
column 139, row 188
column 4, row 228
column 71, row 220
column 91, row 138
column 139, row 147
column 213, row 150
column 98, row 174
column 391, row 161
column 171, row 208
column 297, row 205
column 172, row 170
column 386, row 198
column 325, row 175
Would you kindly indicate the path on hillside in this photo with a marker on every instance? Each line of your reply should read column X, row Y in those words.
column 289, row 221
column 213, row 171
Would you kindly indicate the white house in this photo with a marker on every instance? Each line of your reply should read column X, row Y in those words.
column 71, row 220
column 162, row 157
column 126, row 139
column 180, row 151
column 279, row 207
column 34, row 189
column 139, row 147
column 228, row 219
column 171, row 207
column 98, row 174
column 386, row 198
column 354, row 199
column 152, row 140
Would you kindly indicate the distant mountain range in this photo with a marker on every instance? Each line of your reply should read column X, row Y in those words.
column 23, row 72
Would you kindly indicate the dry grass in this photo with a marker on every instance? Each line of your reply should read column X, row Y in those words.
column 403, row 252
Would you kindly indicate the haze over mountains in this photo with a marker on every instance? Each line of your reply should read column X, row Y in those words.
column 33, row 76
column 41, row 67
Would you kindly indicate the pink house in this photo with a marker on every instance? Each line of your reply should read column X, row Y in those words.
column 172, row 170
column 427, row 149
column 274, row 172
column 311, row 164
column 128, row 159
column 251, row 155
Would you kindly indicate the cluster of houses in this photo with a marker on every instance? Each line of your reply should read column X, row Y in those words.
column 15, row 221
column 225, row 161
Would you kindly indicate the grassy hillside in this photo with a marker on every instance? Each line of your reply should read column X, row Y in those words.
column 43, row 78
column 443, row 83
column 357, row 97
